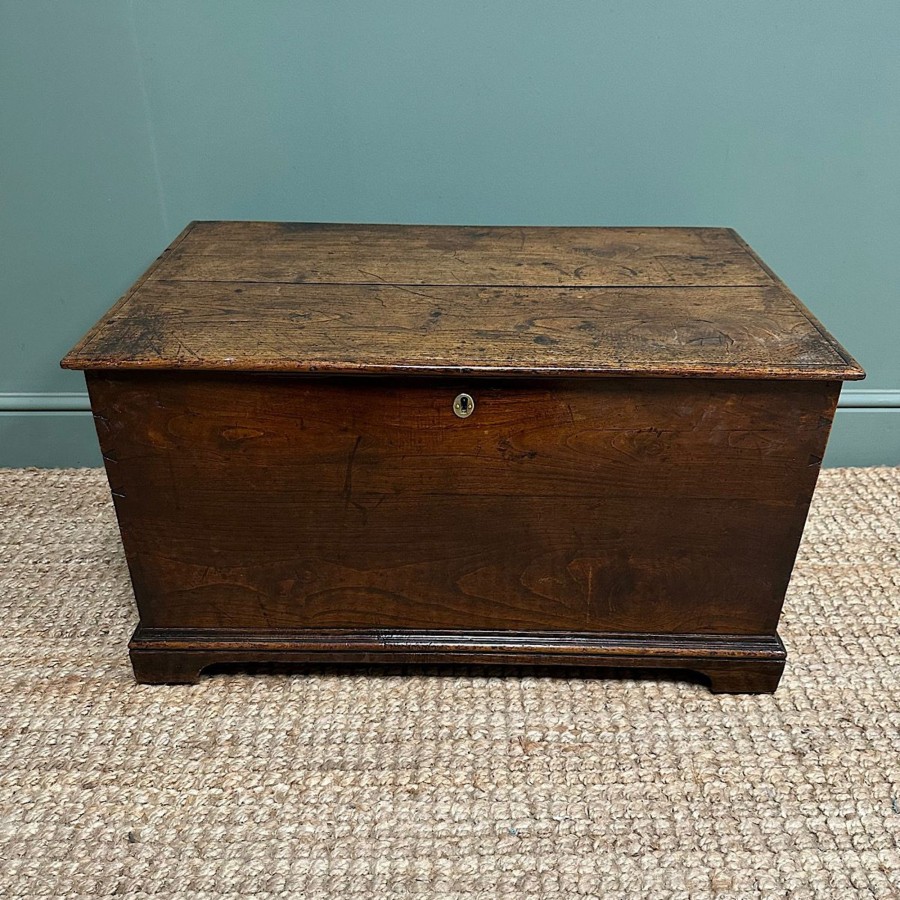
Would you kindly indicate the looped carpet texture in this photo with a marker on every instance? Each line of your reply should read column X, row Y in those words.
column 447, row 783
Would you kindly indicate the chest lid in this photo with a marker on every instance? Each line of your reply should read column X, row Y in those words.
column 432, row 300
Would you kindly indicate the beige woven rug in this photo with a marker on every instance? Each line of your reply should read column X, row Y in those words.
column 449, row 784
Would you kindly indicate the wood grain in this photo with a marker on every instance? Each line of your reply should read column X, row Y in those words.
column 695, row 304
column 652, row 408
column 621, row 505
column 422, row 254
column 725, row 332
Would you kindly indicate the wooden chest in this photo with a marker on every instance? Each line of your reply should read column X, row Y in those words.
column 356, row 443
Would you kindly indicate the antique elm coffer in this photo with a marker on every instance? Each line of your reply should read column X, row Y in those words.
column 360, row 443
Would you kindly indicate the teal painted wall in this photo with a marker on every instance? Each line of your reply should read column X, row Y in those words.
column 120, row 121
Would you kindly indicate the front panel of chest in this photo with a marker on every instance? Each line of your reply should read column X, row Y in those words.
column 615, row 505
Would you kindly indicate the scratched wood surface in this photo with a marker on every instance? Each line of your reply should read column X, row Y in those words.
column 276, row 504
column 609, row 505
column 442, row 300
column 421, row 254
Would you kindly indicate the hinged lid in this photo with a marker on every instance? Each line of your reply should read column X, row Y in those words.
column 382, row 299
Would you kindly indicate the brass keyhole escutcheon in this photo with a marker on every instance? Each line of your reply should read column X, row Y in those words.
column 463, row 405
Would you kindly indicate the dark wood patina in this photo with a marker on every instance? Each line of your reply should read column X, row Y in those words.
column 274, row 405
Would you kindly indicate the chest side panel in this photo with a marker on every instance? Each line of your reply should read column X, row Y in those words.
column 587, row 505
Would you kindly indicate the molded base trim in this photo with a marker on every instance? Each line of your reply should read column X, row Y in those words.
column 732, row 663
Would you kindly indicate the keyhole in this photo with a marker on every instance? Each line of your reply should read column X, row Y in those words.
column 463, row 406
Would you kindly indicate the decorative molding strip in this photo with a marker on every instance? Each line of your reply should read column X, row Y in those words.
column 866, row 398
column 45, row 402
column 851, row 398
